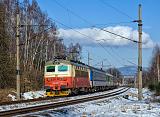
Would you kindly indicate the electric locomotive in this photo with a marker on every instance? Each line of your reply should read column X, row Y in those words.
column 63, row 77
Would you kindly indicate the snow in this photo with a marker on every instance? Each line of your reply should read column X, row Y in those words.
column 13, row 97
column 147, row 95
column 33, row 94
column 110, row 107
column 116, row 106
column 36, row 94
column 29, row 95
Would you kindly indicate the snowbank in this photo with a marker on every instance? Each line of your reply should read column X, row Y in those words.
column 114, row 107
column 33, row 94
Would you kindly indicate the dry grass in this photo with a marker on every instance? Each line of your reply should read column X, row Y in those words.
column 4, row 94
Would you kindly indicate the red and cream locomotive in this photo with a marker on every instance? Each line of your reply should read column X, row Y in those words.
column 63, row 77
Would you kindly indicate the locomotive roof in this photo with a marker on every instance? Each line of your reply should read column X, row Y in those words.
column 77, row 63
column 56, row 62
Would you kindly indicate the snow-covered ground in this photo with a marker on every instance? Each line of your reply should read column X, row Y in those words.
column 113, row 107
column 29, row 95
column 36, row 94
column 33, row 94
column 110, row 107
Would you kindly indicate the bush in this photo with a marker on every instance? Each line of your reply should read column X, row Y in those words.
column 157, row 88
column 152, row 87
column 4, row 94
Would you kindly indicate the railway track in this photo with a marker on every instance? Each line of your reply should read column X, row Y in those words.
column 59, row 104
column 24, row 101
column 29, row 100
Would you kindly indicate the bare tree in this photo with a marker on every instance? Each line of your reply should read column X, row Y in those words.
column 38, row 42
column 6, row 66
column 152, row 72
column 74, row 52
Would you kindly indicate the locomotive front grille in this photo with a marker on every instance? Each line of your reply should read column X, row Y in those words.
column 56, row 87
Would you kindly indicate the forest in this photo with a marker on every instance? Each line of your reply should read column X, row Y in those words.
column 39, row 42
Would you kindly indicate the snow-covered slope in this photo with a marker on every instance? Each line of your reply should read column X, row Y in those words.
column 114, row 107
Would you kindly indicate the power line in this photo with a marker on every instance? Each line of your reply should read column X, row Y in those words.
column 112, row 23
column 71, row 39
column 87, row 37
column 101, row 62
column 68, row 10
column 135, row 41
column 119, row 35
column 97, row 42
column 116, row 9
column 86, row 21
column 82, row 34
column 118, row 57
column 122, row 57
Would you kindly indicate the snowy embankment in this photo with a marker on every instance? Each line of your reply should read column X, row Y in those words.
column 37, row 94
column 110, row 107
column 29, row 95
column 33, row 94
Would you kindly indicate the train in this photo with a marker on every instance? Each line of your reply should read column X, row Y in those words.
column 69, row 77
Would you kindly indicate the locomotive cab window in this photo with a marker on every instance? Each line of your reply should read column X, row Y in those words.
column 62, row 68
column 50, row 69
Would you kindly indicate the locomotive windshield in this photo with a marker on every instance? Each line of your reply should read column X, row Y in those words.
column 62, row 68
column 50, row 69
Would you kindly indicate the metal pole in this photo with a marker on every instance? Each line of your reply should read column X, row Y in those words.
column 18, row 60
column 158, row 67
column 140, row 53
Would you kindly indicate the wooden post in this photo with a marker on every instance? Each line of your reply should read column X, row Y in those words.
column 140, row 54
column 18, row 59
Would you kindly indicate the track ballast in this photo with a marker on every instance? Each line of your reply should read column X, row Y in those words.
column 60, row 104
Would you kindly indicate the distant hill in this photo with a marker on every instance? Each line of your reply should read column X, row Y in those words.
column 128, row 70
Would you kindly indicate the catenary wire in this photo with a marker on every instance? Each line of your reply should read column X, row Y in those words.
column 68, row 10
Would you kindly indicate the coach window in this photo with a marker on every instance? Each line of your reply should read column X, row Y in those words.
column 50, row 69
column 62, row 68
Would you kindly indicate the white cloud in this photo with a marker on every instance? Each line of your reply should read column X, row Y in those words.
column 92, row 36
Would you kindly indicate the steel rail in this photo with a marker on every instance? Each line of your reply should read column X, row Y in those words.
column 59, row 104
column 32, row 100
column 25, row 101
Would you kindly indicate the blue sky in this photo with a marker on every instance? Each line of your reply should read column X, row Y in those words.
column 104, row 16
